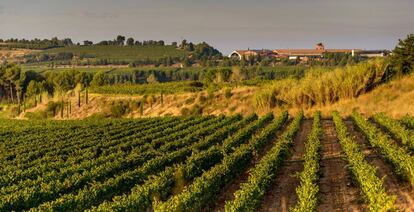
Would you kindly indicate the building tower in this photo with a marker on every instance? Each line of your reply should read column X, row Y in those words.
column 320, row 46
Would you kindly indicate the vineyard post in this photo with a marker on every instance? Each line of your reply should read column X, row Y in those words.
column 141, row 108
column 61, row 108
column 86, row 95
column 79, row 98
column 68, row 108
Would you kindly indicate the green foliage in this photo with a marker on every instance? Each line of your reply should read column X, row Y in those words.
column 194, row 110
column 99, row 79
column 117, row 52
column 118, row 109
column 106, row 165
column 372, row 187
column 401, row 159
column 165, row 88
column 396, row 129
column 156, row 188
column 36, row 43
column 308, row 189
column 408, row 121
column 206, row 187
column 248, row 197
column 402, row 58
column 52, row 108
column 227, row 93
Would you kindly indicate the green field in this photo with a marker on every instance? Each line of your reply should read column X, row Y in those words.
column 125, row 53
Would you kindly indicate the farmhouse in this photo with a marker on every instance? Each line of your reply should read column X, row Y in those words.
column 239, row 54
column 304, row 54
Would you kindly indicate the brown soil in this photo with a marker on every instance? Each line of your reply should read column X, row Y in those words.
column 392, row 183
column 282, row 194
column 337, row 192
column 228, row 191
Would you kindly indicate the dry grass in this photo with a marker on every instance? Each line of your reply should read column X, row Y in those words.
column 14, row 55
column 395, row 98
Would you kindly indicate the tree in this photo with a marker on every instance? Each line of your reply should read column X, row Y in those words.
column 402, row 58
column 99, row 79
column 12, row 75
column 120, row 40
column 87, row 43
column 152, row 78
column 183, row 44
column 84, row 80
column 32, row 90
column 237, row 74
column 130, row 41
column 190, row 47
column 223, row 75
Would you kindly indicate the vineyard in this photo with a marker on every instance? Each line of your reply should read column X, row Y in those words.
column 286, row 162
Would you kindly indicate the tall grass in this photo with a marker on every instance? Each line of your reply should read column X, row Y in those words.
column 322, row 86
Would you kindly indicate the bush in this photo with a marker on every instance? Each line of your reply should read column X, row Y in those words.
column 195, row 110
column 227, row 93
column 119, row 108
column 190, row 100
column 202, row 99
column 52, row 108
column 185, row 111
column 36, row 115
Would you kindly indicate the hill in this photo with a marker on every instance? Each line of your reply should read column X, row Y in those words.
column 114, row 52
column 396, row 98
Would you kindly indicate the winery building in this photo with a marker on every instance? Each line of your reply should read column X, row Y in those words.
column 304, row 54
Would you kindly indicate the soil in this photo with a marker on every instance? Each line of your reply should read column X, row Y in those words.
column 282, row 194
column 229, row 190
column 393, row 184
column 337, row 190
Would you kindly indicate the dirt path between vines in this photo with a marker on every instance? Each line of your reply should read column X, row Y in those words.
column 229, row 190
column 392, row 183
column 337, row 193
column 282, row 194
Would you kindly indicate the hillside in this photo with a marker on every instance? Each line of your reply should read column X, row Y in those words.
column 14, row 55
column 114, row 52
column 395, row 98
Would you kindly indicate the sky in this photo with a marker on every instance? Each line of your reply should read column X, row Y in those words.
column 225, row 24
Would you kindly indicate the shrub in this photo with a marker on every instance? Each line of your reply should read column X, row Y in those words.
column 119, row 108
column 190, row 100
column 202, row 99
column 36, row 115
column 52, row 108
column 227, row 93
